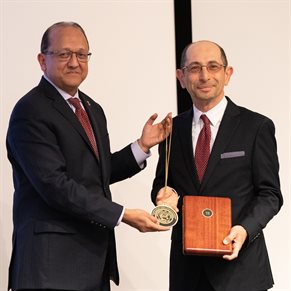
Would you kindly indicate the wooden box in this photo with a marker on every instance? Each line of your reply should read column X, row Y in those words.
column 206, row 222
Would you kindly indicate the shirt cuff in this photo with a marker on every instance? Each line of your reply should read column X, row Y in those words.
column 121, row 216
column 139, row 155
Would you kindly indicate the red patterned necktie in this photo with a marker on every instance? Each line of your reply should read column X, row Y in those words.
column 85, row 122
column 202, row 151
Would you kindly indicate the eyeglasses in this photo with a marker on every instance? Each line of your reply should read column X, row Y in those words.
column 196, row 68
column 65, row 55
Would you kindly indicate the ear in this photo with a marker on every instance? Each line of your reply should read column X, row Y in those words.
column 42, row 61
column 228, row 74
column 180, row 77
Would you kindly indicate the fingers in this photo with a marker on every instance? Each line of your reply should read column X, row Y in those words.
column 142, row 221
column 235, row 251
column 168, row 118
column 153, row 134
column 167, row 122
column 168, row 196
column 155, row 226
column 236, row 237
column 152, row 119
column 150, row 224
column 229, row 238
column 164, row 193
column 171, row 201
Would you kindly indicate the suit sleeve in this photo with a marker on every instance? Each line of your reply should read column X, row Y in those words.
column 265, row 167
column 123, row 165
column 43, row 169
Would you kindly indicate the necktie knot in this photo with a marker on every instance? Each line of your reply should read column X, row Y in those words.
column 75, row 102
column 205, row 119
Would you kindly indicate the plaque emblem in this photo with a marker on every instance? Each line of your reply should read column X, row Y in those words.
column 207, row 212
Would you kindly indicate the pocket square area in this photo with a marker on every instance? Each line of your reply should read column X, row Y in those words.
column 229, row 155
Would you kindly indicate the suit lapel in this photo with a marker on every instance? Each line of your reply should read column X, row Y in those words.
column 96, row 121
column 184, row 137
column 63, row 108
column 227, row 128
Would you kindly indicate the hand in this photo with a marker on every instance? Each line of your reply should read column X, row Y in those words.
column 153, row 134
column 142, row 221
column 168, row 196
column 237, row 237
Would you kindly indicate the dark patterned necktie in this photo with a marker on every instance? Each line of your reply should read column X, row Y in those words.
column 85, row 122
column 202, row 151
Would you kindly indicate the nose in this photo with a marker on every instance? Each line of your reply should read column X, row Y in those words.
column 73, row 61
column 204, row 74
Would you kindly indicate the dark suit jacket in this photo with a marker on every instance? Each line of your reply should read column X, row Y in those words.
column 63, row 213
column 243, row 166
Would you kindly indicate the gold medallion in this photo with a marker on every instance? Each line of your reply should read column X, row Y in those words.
column 166, row 215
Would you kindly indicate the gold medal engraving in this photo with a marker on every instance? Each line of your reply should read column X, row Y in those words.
column 165, row 215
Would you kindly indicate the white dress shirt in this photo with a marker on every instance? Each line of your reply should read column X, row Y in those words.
column 214, row 115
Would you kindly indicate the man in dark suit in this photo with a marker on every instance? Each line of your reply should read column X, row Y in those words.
column 242, row 165
column 63, row 214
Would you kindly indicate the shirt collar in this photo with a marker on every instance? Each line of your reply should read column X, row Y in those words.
column 214, row 115
column 65, row 95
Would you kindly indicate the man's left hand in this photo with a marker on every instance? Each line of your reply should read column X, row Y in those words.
column 236, row 237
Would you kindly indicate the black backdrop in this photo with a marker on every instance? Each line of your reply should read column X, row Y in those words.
column 183, row 36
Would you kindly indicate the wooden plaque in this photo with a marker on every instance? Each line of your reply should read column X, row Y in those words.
column 206, row 222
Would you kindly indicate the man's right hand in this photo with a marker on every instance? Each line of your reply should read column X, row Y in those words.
column 142, row 221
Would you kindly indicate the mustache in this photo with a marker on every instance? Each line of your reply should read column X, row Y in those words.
column 73, row 72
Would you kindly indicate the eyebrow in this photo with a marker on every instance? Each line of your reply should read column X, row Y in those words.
column 196, row 62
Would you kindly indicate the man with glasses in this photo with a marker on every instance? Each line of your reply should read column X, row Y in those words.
column 238, row 160
column 58, row 145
